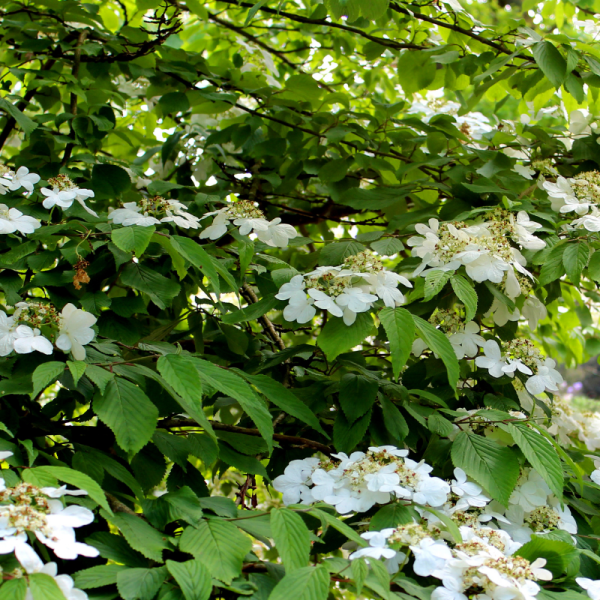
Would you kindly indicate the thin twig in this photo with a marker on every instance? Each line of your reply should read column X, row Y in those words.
column 292, row 440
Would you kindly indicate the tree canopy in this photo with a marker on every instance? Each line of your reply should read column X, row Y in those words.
column 287, row 290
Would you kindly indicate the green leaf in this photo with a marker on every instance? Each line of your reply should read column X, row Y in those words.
column 451, row 526
column 230, row 384
column 309, row 583
column 394, row 422
column 416, row 70
column 399, row 327
column 112, row 179
column 140, row 584
column 334, row 254
column 24, row 122
column 334, row 170
column 13, row 589
column 339, row 525
column 98, row 576
column 186, row 382
column 175, row 448
column 337, row 337
column 115, row 548
column 392, row 515
column 575, row 259
column 46, row 374
column 551, row 62
column 178, row 260
column 185, row 505
column 292, row 538
column 160, row 289
column 122, row 405
column 284, row 399
column 435, row 280
column 140, row 535
column 557, row 553
column 387, row 246
column 133, row 238
column 496, row 468
column 465, row 292
column 193, row 579
column 174, row 102
column 253, row 11
column 439, row 343
column 374, row 9
column 553, row 267
column 77, row 369
column 540, row 454
column 251, row 312
column 357, row 395
column 360, row 570
column 44, row 587
column 101, row 377
column 76, row 479
column 346, row 436
column 219, row 545
column 437, row 424
column 199, row 258
column 594, row 266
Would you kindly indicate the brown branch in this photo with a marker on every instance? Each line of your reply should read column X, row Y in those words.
column 452, row 27
column 279, row 437
column 73, row 105
column 117, row 506
column 10, row 121
column 268, row 326
column 299, row 19
column 260, row 43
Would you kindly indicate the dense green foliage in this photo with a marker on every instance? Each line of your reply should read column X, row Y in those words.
column 155, row 367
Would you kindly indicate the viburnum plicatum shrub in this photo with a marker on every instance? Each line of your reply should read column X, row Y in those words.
column 287, row 294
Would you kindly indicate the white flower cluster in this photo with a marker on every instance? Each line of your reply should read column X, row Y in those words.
column 482, row 565
column 357, row 482
column 64, row 192
column 342, row 291
column 532, row 508
column 464, row 337
column 520, row 355
column 570, row 425
column 11, row 181
column 21, row 331
column 245, row 215
column 146, row 212
column 579, row 195
column 25, row 509
column 483, row 249
column 483, row 562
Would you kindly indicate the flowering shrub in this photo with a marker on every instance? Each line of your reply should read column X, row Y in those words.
column 288, row 291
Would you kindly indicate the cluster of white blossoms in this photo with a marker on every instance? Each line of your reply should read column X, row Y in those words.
column 250, row 220
column 463, row 336
column 571, row 426
column 532, row 508
column 21, row 332
column 482, row 563
column 26, row 508
column 522, row 356
column 506, row 359
column 12, row 181
column 342, row 291
column 483, row 249
column 358, row 482
column 152, row 211
column 64, row 192
column 579, row 195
